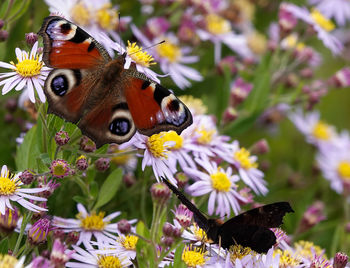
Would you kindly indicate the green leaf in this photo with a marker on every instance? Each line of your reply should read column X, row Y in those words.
column 4, row 246
column 109, row 188
column 28, row 151
column 94, row 189
column 178, row 263
column 80, row 199
column 142, row 230
column 144, row 251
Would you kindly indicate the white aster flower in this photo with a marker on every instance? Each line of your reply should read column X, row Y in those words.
column 171, row 57
column 247, row 167
column 29, row 72
column 337, row 9
column 320, row 24
column 90, row 225
column 218, row 30
column 315, row 130
column 91, row 258
column 11, row 190
column 156, row 153
column 219, row 183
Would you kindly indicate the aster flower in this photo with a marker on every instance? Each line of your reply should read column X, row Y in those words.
column 156, row 154
column 60, row 254
column 11, row 190
column 171, row 57
column 91, row 258
column 7, row 260
column 135, row 55
column 337, row 9
column 90, row 225
column 29, row 73
column 39, row 231
column 194, row 257
column 219, row 183
column 218, row 30
column 247, row 167
column 320, row 24
column 95, row 17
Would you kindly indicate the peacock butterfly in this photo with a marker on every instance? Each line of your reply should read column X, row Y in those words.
column 107, row 102
column 249, row 229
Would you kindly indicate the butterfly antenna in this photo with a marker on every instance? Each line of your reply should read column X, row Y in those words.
column 143, row 49
column 119, row 31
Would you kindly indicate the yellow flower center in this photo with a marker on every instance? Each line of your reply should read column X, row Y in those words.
column 344, row 170
column 173, row 136
column 287, row 259
column 205, row 136
column 195, row 104
column 28, row 67
column 80, row 14
column 238, row 251
column 7, row 261
column 199, row 233
column 193, row 257
column 109, row 262
column 59, row 170
column 107, row 17
column 7, row 185
column 169, row 50
column 321, row 131
column 307, row 249
column 220, row 181
column 257, row 43
column 129, row 242
column 138, row 55
column 217, row 25
column 81, row 157
column 156, row 145
column 92, row 222
column 322, row 21
column 242, row 156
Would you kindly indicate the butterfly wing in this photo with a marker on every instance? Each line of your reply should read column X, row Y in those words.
column 199, row 218
column 77, row 59
column 251, row 228
column 153, row 107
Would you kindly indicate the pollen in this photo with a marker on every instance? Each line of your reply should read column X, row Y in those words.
column 238, row 252
column 205, row 136
column 7, row 184
column 129, row 242
column 199, row 233
column 139, row 56
column 344, row 169
column 220, row 181
column 217, row 25
column 321, row 131
column 28, row 67
column 307, row 249
column 80, row 14
column 92, row 222
column 169, row 50
column 107, row 17
column 109, row 262
column 287, row 259
column 242, row 156
column 157, row 146
column 322, row 21
column 8, row 261
column 173, row 136
column 194, row 257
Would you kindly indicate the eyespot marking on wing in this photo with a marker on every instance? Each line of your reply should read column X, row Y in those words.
column 173, row 110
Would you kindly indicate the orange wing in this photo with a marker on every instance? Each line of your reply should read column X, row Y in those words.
column 68, row 46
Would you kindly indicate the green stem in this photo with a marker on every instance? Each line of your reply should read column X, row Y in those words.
column 83, row 186
column 100, row 155
column 25, row 221
column 57, row 151
column 8, row 9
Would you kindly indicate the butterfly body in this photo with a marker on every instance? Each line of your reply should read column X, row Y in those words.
column 109, row 103
column 249, row 229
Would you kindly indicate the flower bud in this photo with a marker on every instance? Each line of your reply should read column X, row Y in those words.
column 59, row 168
column 230, row 115
column 3, row 35
column 102, row 164
column 59, row 254
column 8, row 221
column 72, row 238
column 341, row 78
column 129, row 179
column 183, row 215
column 1, row 24
column 11, row 105
column 27, row 177
column 340, row 260
column 181, row 179
column 168, row 241
column 240, row 91
column 168, row 229
column 81, row 163
column 260, row 147
column 38, row 232
column 124, row 226
column 87, row 145
column 312, row 216
column 61, row 138
column 31, row 38
column 227, row 62
column 160, row 193
column 286, row 20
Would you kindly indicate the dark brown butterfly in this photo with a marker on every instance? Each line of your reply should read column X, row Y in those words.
column 109, row 103
column 249, row 229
